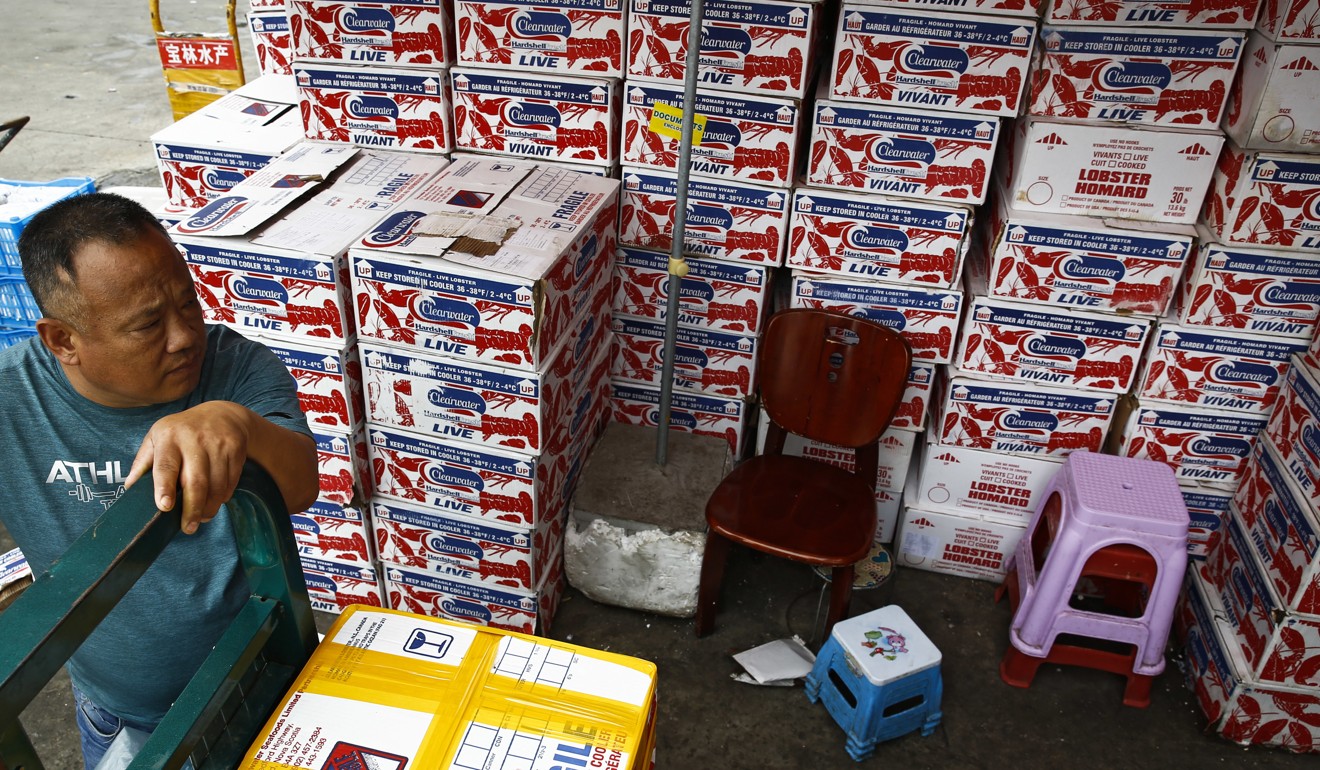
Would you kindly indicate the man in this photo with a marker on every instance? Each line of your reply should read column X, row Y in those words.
column 123, row 378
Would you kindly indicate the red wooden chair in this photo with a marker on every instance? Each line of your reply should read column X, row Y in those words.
column 833, row 378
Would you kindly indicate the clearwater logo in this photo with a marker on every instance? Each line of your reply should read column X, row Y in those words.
column 438, row 542
column 1091, row 269
column 214, row 214
column 541, row 25
column 1140, row 82
column 395, row 230
column 897, row 152
column 1224, row 450
column 321, row 583
column 1034, row 422
column 532, row 114
column 1311, row 440
column 932, row 61
column 690, row 293
column 457, row 400
column 708, row 218
column 884, row 240
column 358, row 22
column 718, row 42
column 1051, row 346
column 1241, row 373
column 470, row 610
column 262, row 291
column 680, row 420
column 376, row 109
column 465, row 482
column 447, row 311
column 690, row 360
column 1290, row 295
column 221, row 179
column 721, row 132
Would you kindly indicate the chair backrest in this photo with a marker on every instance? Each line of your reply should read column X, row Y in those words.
column 220, row 712
column 832, row 377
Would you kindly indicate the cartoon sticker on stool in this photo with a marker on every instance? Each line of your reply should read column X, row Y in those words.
column 885, row 641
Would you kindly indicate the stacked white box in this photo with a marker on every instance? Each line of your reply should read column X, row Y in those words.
column 270, row 40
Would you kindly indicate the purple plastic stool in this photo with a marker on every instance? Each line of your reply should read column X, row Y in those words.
column 1103, row 501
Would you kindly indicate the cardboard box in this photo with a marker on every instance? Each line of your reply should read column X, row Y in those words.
column 1278, row 645
column 290, row 279
column 482, row 551
column 635, row 403
column 994, row 485
column 511, row 294
column 1234, row 288
column 747, row 137
column 1113, row 265
column 387, row 108
column 202, row 156
column 958, row 62
column 1293, row 429
column 963, row 546
column 927, row 318
column 1159, row 77
column 270, row 40
column 1291, row 20
column 1109, row 170
column 1265, row 199
column 1270, row 105
column 15, row 576
column 477, row 698
column 713, row 295
column 761, row 46
column 895, row 449
column 727, row 220
column 333, row 586
column 582, row 37
column 872, row 236
column 427, row 593
column 329, row 379
column 1207, row 505
column 909, row 152
column 714, row 362
column 556, row 117
column 1017, row 418
column 1282, row 528
column 1154, row 14
column 1051, row 344
column 1199, row 443
column 385, row 34
column 335, row 532
column 343, row 467
column 1215, row 368
column 1239, row 707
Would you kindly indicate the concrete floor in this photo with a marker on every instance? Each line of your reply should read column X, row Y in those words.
column 88, row 76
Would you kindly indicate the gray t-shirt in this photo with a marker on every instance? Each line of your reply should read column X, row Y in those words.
column 66, row 459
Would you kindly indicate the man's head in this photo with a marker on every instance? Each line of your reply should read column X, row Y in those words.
column 120, row 312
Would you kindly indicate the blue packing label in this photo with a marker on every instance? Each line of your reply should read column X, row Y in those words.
column 707, row 269
column 1168, row 44
column 431, row 276
column 470, row 378
column 902, row 213
column 533, row 86
column 720, row 193
column 469, row 460
column 374, row 79
column 922, row 24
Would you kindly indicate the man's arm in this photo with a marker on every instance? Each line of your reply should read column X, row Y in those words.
column 203, row 450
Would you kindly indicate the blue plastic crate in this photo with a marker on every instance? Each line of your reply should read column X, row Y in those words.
column 12, row 336
column 11, row 227
column 17, row 307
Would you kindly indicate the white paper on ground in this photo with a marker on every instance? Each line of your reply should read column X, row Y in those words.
column 776, row 663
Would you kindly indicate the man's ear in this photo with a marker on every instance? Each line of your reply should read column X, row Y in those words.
column 60, row 339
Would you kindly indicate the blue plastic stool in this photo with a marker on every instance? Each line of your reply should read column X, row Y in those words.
column 879, row 677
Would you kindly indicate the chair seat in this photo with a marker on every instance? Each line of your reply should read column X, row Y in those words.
column 797, row 509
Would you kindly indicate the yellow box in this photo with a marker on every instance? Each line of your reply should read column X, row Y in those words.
column 389, row 689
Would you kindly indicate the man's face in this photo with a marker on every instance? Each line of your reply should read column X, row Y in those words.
column 138, row 338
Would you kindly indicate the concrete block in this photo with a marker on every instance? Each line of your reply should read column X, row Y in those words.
column 636, row 529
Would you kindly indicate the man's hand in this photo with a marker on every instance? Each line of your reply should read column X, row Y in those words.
column 201, row 450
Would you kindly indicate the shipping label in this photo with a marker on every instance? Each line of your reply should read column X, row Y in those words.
column 1006, row 487
column 582, row 37
column 1253, row 290
column 928, row 155
column 1022, row 419
column 713, row 295
column 1213, row 368
column 761, row 46
column 396, row 109
column 957, row 545
column 871, row 236
column 927, row 318
column 727, row 220
column 1199, row 444
column 753, row 138
column 707, row 361
column 958, row 62
column 1051, row 345
column 540, row 116
column 334, row 532
column 385, row 34
column 1176, row 77
column 1265, row 199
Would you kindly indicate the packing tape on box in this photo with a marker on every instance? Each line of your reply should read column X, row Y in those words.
column 389, row 688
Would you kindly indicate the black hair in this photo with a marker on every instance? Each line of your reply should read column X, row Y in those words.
column 51, row 240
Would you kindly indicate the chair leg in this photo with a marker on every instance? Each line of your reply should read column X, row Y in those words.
column 841, row 583
column 712, row 576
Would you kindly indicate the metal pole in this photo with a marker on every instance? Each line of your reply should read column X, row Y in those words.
column 677, row 266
